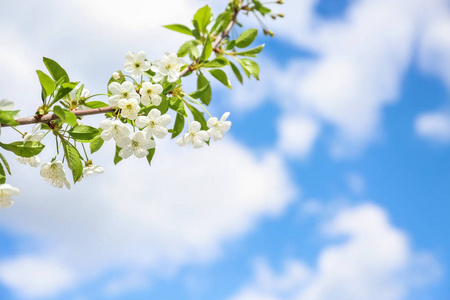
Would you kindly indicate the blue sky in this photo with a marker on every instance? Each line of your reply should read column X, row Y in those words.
column 331, row 184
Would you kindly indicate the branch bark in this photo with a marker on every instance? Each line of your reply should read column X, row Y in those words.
column 49, row 117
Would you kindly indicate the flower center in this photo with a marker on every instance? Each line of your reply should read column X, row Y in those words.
column 129, row 106
column 152, row 124
column 149, row 91
column 125, row 94
column 137, row 65
column 134, row 143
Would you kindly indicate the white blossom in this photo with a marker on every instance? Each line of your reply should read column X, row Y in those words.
column 83, row 96
column 136, row 63
column 113, row 129
column 130, row 108
column 6, row 104
column 218, row 127
column 169, row 65
column 138, row 145
column 6, row 191
column 33, row 161
column 151, row 93
column 92, row 170
column 116, row 75
column 121, row 91
column 195, row 136
column 53, row 172
column 34, row 136
column 154, row 123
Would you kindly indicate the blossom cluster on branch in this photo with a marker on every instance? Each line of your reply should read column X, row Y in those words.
column 139, row 101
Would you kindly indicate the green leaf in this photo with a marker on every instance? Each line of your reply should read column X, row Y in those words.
column 179, row 28
column 261, row 8
column 203, row 17
column 73, row 161
column 168, row 86
column 48, row 84
column 198, row 93
column 221, row 76
column 251, row 52
column 117, row 158
column 55, row 70
column 190, row 47
column 207, row 50
column 27, row 149
column 79, row 91
column 178, row 126
column 204, row 85
column 2, row 175
column 83, row 133
column 246, row 38
column 151, row 153
column 177, row 105
column 5, row 162
column 96, row 144
column 164, row 106
column 45, row 127
column 217, row 62
column 196, row 31
column 65, row 89
column 222, row 22
column 95, row 104
column 6, row 117
column 231, row 45
column 236, row 72
column 198, row 116
column 250, row 67
column 65, row 115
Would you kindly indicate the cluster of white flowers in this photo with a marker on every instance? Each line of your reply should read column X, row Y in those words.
column 127, row 96
column 91, row 170
column 53, row 172
column 198, row 137
column 152, row 125
column 6, row 191
column 33, row 161
column 130, row 98
column 124, row 91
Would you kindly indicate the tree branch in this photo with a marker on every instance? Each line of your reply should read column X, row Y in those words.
column 49, row 117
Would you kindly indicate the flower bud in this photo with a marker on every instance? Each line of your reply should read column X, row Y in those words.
column 116, row 75
column 281, row 15
column 269, row 32
column 280, row 1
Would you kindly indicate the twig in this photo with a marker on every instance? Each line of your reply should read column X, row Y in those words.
column 49, row 117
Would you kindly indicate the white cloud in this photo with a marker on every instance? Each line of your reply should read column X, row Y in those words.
column 35, row 276
column 136, row 218
column 297, row 135
column 358, row 64
column 435, row 43
column 434, row 126
column 374, row 261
